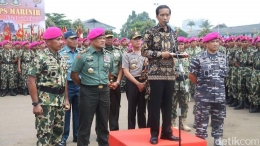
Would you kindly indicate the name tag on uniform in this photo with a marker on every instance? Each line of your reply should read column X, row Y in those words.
column 106, row 58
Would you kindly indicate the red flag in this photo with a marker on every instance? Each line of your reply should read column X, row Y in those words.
column 39, row 33
column 79, row 33
column 7, row 33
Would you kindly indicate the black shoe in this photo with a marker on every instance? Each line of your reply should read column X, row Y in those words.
column 247, row 103
column 154, row 140
column 12, row 92
column 3, row 93
column 170, row 137
column 240, row 106
column 75, row 139
column 256, row 109
column 62, row 143
column 25, row 92
column 251, row 107
column 235, row 103
column 231, row 99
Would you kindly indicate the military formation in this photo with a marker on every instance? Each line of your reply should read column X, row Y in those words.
column 65, row 71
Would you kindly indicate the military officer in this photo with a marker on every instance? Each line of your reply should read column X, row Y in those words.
column 17, row 49
column 94, row 65
column 69, row 52
column 48, row 71
column 85, row 43
column 124, row 48
column 24, row 59
column 115, row 78
column 180, row 95
column 133, row 64
column 208, row 70
column 8, row 57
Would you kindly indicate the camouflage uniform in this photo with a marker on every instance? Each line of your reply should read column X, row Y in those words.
column 210, row 71
column 26, row 57
column 255, row 83
column 7, row 58
column 180, row 95
column 123, row 80
column 50, row 71
column 244, row 73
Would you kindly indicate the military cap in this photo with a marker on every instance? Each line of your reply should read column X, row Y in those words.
column 41, row 42
column 181, row 39
column 123, row 39
column 134, row 35
column 186, row 40
column 33, row 44
column 257, row 40
column 210, row 36
column 94, row 33
column 243, row 38
column 84, row 40
column 109, row 33
column 25, row 42
column 16, row 43
column 6, row 42
column 70, row 34
column 115, row 39
column 52, row 33
column 192, row 39
column 230, row 39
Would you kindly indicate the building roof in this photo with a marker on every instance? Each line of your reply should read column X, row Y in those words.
column 235, row 30
column 93, row 23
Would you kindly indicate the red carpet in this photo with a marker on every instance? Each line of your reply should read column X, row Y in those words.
column 141, row 137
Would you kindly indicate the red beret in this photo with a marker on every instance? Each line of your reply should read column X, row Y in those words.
column 210, row 36
column 52, row 33
column 96, row 32
column 181, row 39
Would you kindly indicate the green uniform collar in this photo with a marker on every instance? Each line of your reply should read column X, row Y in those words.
column 91, row 50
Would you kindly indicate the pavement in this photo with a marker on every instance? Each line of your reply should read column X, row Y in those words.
column 17, row 124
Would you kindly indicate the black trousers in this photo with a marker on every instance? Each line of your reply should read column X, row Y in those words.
column 136, row 101
column 160, row 98
column 115, row 99
column 93, row 100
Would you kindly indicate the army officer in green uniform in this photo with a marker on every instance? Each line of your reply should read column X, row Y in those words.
column 94, row 65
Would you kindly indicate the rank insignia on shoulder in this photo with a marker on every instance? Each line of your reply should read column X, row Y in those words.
column 83, row 51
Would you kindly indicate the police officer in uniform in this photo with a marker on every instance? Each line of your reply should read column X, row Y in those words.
column 48, row 70
column 94, row 65
column 133, row 64
column 208, row 70
column 69, row 52
column 115, row 78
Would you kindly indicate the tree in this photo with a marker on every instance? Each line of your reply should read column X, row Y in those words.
column 59, row 20
column 205, row 25
column 49, row 23
column 220, row 26
column 139, row 22
column 181, row 32
column 191, row 23
column 78, row 24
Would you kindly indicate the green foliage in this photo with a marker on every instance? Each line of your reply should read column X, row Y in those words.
column 139, row 22
column 181, row 32
column 191, row 23
column 220, row 26
column 206, row 26
column 57, row 20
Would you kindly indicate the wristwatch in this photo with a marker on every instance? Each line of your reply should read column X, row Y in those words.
column 35, row 103
column 118, row 82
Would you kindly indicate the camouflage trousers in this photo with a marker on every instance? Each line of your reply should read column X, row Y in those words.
column 24, row 76
column 123, row 82
column 50, row 125
column 181, row 97
column 16, row 78
column 234, row 82
column 228, row 82
column 7, row 76
column 243, row 86
column 217, row 112
column 255, row 87
column 192, row 89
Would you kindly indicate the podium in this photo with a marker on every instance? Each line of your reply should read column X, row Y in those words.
column 141, row 137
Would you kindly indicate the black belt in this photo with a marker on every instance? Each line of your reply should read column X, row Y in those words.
column 8, row 62
column 140, row 79
column 53, row 90
column 27, row 61
column 95, row 86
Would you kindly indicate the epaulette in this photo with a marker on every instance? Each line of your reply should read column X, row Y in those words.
column 83, row 51
column 106, row 51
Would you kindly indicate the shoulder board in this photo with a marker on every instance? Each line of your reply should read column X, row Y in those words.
column 106, row 51
column 83, row 51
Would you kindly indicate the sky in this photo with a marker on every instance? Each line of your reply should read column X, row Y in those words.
column 116, row 12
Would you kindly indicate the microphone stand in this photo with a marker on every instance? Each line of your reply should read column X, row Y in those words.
column 181, row 71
